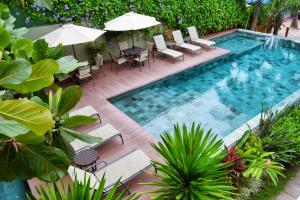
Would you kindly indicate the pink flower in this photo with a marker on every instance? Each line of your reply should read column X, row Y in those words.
column 268, row 163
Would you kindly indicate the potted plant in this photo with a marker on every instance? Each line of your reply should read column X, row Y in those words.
column 94, row 49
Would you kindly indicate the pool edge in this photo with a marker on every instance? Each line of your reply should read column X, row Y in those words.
column 253, row 123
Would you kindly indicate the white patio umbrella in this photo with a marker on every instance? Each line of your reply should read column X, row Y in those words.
column 70, row 34
column 130, row 22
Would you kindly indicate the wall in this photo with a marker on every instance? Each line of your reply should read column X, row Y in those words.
column 81, row 49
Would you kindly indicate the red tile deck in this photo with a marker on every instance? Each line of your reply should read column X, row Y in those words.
column 114, row 84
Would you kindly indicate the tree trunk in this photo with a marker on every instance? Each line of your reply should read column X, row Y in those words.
column 255, row 18
column 277, row 24
column 294, row 23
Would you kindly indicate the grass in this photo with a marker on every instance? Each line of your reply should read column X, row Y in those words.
column 269, row 191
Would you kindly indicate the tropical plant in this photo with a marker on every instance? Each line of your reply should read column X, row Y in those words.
column 283, row 136
column 259, row 162
column 29, row 131
column 62, row 134
column 77, row 191
column 192, row 166
column 96, row 47
column 294, row 8
column 237, row 166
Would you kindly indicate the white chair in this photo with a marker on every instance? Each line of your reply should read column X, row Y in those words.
column 84, row 73
column 98, row 63
column 86, row 111
column 195, row 38
column 162, row 48
column 149, row 46
column 123, row 45
column 118, row 60
column 140, row 59
column 180, row 42
column 124, row 169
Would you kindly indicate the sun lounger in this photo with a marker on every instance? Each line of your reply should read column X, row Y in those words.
column 195, row 38
column 127, row 167
column 86, row 111
column 180, row 42
column 162, row 48
column 106, row 132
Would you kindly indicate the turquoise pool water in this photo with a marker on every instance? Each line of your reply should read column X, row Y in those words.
column 222, row 94
column 14, row 190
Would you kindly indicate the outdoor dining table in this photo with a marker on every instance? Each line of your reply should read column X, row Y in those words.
column 86, row 158
column 133, row 51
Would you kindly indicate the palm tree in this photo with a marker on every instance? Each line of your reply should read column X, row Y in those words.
column 192, row 166
column 294, row 7
column 77, row 191
column 257, row 11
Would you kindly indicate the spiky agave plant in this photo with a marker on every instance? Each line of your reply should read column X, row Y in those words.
column 77, row 191
column 192, row 166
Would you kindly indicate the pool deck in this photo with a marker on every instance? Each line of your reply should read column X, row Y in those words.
column 114, row 84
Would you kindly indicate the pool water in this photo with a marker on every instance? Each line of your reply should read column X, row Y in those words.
column 222, row 94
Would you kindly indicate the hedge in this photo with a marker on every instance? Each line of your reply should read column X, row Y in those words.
column 206, row 15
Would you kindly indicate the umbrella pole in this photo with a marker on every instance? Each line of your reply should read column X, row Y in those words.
column 132, row 39
column 74, row 51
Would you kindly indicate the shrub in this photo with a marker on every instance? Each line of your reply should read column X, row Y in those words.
column 283, row 136
column 206, row 15
column 192, row 166
column 259, row 161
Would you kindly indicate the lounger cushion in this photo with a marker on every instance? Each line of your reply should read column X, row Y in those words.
column 126, row 167
column 190, row 47
column 105, row 132
column 73, row 171
column 204, row 42
column 172, row 53
column 87, row 111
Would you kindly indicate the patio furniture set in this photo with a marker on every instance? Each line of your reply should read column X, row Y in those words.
column 137, row 56
column 87, row 161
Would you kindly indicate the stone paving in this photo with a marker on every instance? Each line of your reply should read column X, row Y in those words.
column 293, row 33
column 292, row 189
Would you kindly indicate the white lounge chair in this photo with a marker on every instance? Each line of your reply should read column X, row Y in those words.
column 180, row 42
column 87, row 111
column 162, row 48
column 127, row 167
column 195, row 38
column 106, row 133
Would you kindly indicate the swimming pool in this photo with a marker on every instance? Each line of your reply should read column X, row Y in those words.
column 222, row 94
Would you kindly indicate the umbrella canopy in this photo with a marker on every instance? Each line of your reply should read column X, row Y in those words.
column 70, row 34
column 130, row 22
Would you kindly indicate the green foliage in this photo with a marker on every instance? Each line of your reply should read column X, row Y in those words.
column 5, row 38
column 77, row 191
column 22, row 48
column 96, row 47
column 191, row 167
column 38, row 118
column 269, row 191
column 41, row 76
column 206, row 15
column 60, row 104
column 14, row 72
column 283, row 136
column 259, row 161
column 25, row 161
column 4, row 11
column 33, row 140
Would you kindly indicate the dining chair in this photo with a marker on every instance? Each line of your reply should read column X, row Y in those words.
column 117, row 60
column 123, row 45
column 142, row 57
column 98, row 64
column 84, row 73
column 150, row 47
